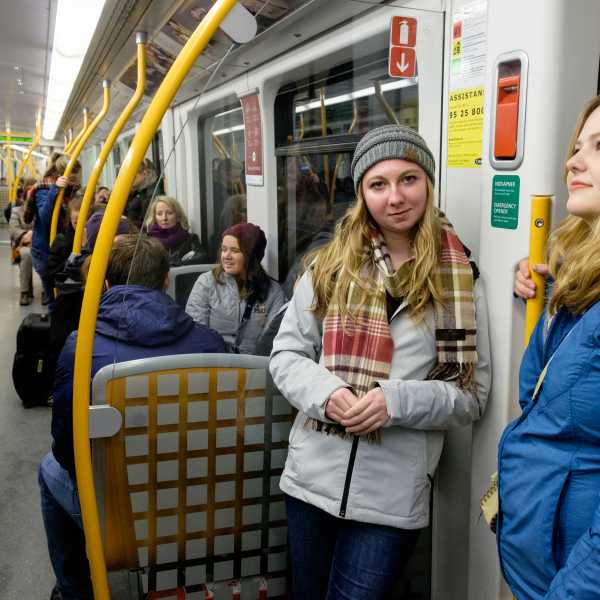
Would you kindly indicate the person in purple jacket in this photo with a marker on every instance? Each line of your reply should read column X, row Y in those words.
column 136, row 319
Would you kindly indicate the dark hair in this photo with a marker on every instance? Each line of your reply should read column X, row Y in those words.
column 253, row 282
column 138, row 260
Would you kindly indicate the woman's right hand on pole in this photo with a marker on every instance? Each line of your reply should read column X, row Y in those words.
column 524, row 284
column 339, row 402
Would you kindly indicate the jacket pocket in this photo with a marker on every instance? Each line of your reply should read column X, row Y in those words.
column 557, row 541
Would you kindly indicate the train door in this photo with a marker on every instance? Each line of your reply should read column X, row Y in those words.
column 320, row 111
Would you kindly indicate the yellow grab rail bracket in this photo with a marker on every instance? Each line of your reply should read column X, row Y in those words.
column 93, row 289
column 541, row 210
column 90, row 187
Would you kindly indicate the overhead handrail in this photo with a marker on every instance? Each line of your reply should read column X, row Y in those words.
column 75, row 155
column 84, row 126
column 34, row 145
column 140, row 39
column 93, row 289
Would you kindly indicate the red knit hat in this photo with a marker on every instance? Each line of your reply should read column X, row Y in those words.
column 251, row 238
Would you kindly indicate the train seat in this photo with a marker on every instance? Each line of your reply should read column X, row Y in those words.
column 187, row 453
column 182, row 279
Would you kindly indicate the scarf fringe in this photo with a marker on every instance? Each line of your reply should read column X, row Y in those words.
column 339, row 430
column 463, row 374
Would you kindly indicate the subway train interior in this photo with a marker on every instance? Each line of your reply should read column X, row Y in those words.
column 250, row 112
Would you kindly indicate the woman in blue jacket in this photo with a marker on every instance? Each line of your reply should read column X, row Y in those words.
column 39, row 208
column 549, row 458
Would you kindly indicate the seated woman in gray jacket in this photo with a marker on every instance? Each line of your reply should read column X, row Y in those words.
column 237, row 298
column 384, row 345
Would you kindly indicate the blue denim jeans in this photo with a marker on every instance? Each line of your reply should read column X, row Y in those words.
column 64, row 530
column 40, row 265
column 339, row 559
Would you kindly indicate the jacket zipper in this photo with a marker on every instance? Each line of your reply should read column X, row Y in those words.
column 349, row 476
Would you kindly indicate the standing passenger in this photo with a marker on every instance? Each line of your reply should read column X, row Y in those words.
column 549, row 458
column 237, row 298
column 20, row 240
column 383, row 347
column 39, row 208
column 141, row 193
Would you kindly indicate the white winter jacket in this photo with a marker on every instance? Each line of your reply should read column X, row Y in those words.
column 386, row 483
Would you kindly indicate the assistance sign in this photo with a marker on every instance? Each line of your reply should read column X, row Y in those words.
column 505, row 201
column 465, row 128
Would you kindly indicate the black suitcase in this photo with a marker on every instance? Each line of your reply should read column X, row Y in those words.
column 34, row 362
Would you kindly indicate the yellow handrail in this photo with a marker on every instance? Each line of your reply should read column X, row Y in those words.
column 36, row 143
column 90, row 188
column 84, row 126
column 93, row 289
column 69, row 142
column 75, row 155
column 541, row 207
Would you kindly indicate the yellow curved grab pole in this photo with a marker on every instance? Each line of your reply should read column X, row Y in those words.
column 69, row 142
column 90, row 188
column 95, row 281
column 75, row 155
column 26, row 158
column 541, row 208
column 78, row 137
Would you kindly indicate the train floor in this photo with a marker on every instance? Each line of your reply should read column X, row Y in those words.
column 25, row 571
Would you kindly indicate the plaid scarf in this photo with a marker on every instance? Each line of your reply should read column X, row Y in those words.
column 359, row 350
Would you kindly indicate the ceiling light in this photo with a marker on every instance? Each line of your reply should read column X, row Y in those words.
column 76, row 21
column 370, row 91
column 25, row 150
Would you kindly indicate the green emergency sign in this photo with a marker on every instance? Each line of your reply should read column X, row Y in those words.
column 505, row 201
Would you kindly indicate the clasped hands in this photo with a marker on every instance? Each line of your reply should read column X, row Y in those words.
column 358, row 415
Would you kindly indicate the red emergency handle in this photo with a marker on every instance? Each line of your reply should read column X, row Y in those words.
column 507, row 117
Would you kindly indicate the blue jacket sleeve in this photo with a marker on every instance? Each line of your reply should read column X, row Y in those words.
column 62, row 408
column 532, row 363
column 579, row 579
column 45, row 204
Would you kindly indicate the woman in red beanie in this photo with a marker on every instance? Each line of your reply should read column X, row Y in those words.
column 237, row 298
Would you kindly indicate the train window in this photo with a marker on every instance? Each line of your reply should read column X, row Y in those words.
column 317, row 123
column 222, row 140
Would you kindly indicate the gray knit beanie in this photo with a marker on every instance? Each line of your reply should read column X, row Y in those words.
column 390, row 142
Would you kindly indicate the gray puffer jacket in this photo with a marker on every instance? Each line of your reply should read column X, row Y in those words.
column 220, row 307
column 386, row 483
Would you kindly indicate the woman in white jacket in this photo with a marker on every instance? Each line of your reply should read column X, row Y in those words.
column 383, row 347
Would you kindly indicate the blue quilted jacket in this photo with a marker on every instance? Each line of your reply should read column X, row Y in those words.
column 133, row 322
column 549, row 466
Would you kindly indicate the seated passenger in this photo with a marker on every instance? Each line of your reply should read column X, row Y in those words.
column 102, row 195
column 135, row 320
column 20, row 241
column 169, row 225
column 62, row 245
column 142, row 188
column 237, row 298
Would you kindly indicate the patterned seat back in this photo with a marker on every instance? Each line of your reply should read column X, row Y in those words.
column 188, row 486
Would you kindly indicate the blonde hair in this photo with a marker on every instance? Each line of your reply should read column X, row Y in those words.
column 173, row 205
column 340, row 263
column 573, row 252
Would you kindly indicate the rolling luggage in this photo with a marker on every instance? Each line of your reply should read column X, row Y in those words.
column 34, row 362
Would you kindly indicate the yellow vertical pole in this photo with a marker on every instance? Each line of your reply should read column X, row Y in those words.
column 84, row 126
column 75, row 155
column 90, row 188
column 26, row 158
column 69, row 141
column 93, row 288
column 541, row 207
